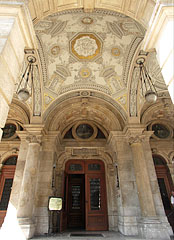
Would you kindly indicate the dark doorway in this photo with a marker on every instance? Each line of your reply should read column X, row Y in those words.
column 165, row 186
column 76, row 203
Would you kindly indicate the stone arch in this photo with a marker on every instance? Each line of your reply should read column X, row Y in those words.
column 19, row 111
column 159, row 110
column 162, row 156
column 140, row 11
column 12, row 152
column 94, row 106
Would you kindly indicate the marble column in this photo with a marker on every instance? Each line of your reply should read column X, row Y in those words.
column 150, row 226
column 25, row 212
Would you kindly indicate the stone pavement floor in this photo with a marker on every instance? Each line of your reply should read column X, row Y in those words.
column 108, row 235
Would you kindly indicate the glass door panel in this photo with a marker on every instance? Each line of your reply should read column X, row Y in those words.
column 96, row 209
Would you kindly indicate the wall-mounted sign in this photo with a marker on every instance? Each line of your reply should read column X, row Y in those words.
column 55, row 204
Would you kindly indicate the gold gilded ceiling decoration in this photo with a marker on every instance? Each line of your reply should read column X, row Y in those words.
column 86, row 46
column 87, row 51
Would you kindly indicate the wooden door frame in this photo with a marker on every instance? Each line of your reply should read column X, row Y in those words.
column 8, row 171
column 85, row 171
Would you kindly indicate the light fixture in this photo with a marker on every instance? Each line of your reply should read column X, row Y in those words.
column 23, row 93
column 147, row 86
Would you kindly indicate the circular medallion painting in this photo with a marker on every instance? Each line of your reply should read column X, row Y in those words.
column 84, row 131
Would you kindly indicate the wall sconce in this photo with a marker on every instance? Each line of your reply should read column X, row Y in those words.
column 23, row 93
column 147, row 86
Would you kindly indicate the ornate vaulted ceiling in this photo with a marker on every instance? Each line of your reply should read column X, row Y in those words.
column 87, row 51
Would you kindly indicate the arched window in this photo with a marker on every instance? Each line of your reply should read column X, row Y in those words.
column 158, row 160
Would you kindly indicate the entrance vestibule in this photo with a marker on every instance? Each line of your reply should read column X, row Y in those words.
column 84, row 195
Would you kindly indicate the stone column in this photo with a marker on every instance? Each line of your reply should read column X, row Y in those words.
column 11, row 216
column 45, row 187
column 29, row 182
column 127, row 198
column 150, row 226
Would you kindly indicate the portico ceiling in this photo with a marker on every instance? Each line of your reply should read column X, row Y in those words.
column 91, row 51
column 87, row 51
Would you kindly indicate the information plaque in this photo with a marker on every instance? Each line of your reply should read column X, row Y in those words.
column 55, row 204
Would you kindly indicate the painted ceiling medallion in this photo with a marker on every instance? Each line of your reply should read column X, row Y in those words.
column 87, row 20
column 115, row 51
column 86, row 46
column 85, row 73
column 55, row 50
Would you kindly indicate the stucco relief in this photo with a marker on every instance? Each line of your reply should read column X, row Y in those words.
column 85, row 46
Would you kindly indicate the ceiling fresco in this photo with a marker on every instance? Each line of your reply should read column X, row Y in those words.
column 87, row 51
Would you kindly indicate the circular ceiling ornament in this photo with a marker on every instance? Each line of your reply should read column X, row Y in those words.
column 85, row 73
column 87, row 20
column 55, row 50
column 115, row 51
column 86, row 46
column 85, row 93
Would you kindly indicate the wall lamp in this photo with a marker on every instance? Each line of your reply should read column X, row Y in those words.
column 147, row 86
column 23, row 87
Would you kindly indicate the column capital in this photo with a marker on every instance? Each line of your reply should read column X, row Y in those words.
column 34, row 138
column 137, row 134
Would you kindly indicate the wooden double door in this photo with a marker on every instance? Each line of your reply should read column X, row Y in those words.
column 84, row 196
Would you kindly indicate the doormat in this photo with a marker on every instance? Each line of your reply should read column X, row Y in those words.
column 86, row 235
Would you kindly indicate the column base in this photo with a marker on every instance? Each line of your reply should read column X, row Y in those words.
column 152, row 228
column 27, row 226
column 128, row 226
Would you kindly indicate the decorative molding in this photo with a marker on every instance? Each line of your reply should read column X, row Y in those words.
column 94, row 94
column 129, row 56
column 85, row 151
